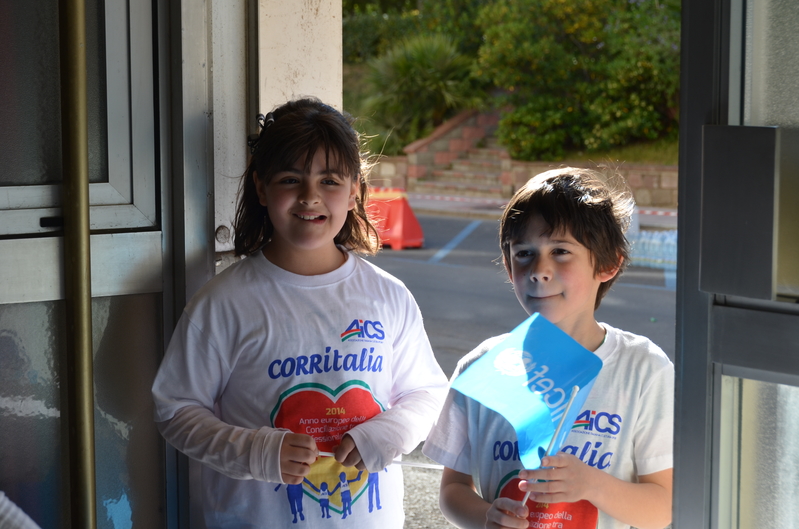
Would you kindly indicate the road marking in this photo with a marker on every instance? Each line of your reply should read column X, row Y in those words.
column 451, row 245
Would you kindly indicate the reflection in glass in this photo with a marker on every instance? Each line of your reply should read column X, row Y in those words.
column 31, row 342
column 129, row 450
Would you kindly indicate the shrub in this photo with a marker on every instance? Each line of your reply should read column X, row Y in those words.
column 586, row 74
column 416, row 85
column 371, row 33
column 538, row 129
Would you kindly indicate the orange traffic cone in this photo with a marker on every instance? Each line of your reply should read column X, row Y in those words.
column 394, row 219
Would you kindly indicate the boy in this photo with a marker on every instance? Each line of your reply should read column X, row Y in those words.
column 563, row 246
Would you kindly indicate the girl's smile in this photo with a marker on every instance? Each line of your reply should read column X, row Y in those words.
column 307, row 208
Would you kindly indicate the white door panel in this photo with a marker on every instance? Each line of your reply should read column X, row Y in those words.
column 122, row 263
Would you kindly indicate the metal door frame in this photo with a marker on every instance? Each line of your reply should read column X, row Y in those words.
column 715, row 333
column 187, row 188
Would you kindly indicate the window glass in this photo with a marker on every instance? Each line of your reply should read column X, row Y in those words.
column 759, row 467
column 128, row 449
column 30, row 104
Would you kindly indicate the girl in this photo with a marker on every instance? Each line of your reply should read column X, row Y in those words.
column 302, row 346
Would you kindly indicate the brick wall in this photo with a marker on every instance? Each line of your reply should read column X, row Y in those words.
column 652, row 185
column 390, row 171
column 449, row 141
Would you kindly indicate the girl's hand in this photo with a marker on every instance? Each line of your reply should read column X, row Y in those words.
column 297, row 453
column 347, row 454
column 505, row 512
column 565, row 478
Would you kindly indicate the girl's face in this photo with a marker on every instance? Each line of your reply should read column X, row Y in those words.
column 307, row 210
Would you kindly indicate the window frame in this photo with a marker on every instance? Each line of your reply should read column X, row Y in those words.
column 128, row 200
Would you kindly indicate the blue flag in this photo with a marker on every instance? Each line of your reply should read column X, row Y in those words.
column 528, row 378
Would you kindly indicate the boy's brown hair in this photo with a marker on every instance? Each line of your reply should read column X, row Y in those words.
column 596, row 210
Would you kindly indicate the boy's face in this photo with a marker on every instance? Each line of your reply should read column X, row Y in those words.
column 554, row 276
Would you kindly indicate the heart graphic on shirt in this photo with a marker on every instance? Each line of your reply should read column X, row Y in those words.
column 562, row 515
column 326, row 415
column 323, row 413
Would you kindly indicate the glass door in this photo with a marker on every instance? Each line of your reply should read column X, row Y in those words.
column 126, row 254
column 736, row 460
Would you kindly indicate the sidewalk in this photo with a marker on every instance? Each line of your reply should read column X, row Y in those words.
column 491, row 208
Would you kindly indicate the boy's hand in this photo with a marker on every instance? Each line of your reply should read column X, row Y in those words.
column 297, row 453
column 565, row 478
column 347, row 454
column 505, row 512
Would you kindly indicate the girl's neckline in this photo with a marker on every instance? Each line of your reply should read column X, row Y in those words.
column 283, row 275
column 318, row 262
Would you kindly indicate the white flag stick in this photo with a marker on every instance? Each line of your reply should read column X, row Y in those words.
column 575, row 390
column 399, row 462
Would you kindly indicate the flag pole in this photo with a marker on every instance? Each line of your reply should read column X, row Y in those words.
column 575, row 390
column 399, row 462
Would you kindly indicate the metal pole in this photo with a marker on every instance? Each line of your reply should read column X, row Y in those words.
column 77, row 263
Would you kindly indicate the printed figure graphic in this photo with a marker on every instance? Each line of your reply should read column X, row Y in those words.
column 324, row 496
column 294, row 493
column 346, row 495
column 374, row 489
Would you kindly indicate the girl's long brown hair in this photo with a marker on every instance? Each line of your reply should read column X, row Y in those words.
column 292, row 132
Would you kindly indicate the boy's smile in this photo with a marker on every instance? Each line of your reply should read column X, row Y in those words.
column 553, row 274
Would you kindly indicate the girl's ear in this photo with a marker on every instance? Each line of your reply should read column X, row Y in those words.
column 260, row 188
column 354, row 192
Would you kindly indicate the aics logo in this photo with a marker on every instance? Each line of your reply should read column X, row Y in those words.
column 602, row 422
column 365, row 330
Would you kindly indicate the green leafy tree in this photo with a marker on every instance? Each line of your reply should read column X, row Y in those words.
column 350, row 7
column 457, row 19
column 371, row 33
column 641, row 90
column 416, row 86
column 587, row 74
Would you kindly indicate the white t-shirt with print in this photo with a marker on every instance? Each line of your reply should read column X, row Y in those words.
column 624, row 428
column 260, row 351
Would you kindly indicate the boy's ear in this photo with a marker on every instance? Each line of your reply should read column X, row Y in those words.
column 610, row 273
column 507, row 267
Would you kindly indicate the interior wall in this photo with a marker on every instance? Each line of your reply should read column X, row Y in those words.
column 771, row 94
